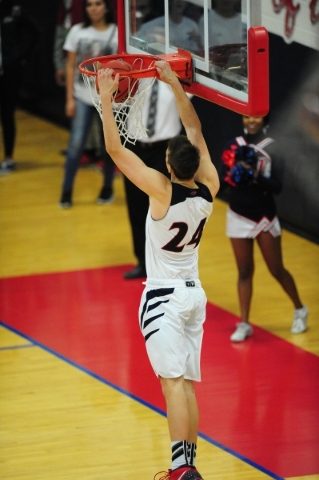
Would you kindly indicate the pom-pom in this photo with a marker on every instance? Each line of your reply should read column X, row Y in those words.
column 234, row 158
column 229, row 156
column 241, row 175
column 246, row 154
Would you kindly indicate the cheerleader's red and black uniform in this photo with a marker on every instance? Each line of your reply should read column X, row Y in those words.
column 252, row 207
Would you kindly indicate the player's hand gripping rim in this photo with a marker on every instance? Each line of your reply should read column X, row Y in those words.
column 108, row 83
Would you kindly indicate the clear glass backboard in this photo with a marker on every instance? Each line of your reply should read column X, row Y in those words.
column 228, row 45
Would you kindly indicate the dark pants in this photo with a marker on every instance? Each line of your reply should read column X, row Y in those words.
column 137, row 201
column 9, row 88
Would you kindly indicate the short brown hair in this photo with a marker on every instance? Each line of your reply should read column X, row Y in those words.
column 183, row 157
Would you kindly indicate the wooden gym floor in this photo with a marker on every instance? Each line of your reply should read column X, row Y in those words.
column 78, row 399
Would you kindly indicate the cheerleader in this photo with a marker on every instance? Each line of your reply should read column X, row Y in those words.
column 250, row 170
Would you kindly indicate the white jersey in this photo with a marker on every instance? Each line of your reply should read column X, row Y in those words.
column 172, row 242
column 87, row 42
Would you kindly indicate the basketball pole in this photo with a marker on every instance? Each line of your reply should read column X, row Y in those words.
column 121, row 27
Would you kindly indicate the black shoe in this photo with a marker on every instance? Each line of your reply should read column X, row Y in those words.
column 137, row 272
column 7, row 166
column 66, row 200
column 197, row 472
column 106, row 196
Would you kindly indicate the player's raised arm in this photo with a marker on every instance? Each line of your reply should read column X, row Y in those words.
column 206, row 172
column 145, row 178
column 108, row 85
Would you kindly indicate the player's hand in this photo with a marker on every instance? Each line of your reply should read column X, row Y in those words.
column 107, row 83
column 165, row 72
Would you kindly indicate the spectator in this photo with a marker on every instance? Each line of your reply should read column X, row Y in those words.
column 250, row 167
column 225, row 25
column 143, row 11
column 183, row 31
column 70, row 12
column 194, row 11
column 96, row 36
column 20, row 36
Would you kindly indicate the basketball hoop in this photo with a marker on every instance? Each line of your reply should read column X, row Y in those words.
column 137, row 76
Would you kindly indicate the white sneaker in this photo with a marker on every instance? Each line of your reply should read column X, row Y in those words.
column 299, row 324
column 243, row 330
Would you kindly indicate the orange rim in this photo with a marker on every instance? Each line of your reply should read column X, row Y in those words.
column 181, row 64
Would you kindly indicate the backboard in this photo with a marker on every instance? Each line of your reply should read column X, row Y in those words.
column 229, row 47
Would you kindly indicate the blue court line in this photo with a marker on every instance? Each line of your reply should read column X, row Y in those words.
column 141, row 401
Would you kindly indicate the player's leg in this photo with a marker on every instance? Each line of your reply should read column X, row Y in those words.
column 193, row 424
column 182, row 408
column 162, row 316
column 272, row 252
column 192, row 411
column 195, row 305
column 182, row 417
column 243, row 250
column 177, row 408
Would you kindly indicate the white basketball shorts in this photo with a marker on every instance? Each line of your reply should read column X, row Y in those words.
column 171, row 315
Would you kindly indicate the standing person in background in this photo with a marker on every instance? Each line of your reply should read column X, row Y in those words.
column 163, row 124
column 143, row 10
column 19, row 36
column 161, row 115
column 96, row 36
column 70, row 12
column 225, row 24
column 184, row 32
column 173, row 304
column 193, row 11
column 249, row 166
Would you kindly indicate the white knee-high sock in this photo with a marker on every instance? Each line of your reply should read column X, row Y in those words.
column 179, row 454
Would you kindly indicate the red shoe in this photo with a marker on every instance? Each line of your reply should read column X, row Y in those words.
column 181, row 473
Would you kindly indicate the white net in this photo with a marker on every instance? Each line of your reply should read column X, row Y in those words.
column 128, row 113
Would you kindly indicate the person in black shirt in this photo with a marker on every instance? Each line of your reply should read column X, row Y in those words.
column 249, row 167
column 20, row 35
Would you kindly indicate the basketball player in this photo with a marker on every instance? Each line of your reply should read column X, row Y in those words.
column 172, row 308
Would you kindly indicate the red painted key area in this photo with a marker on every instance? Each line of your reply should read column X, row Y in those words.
column 260, row 399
